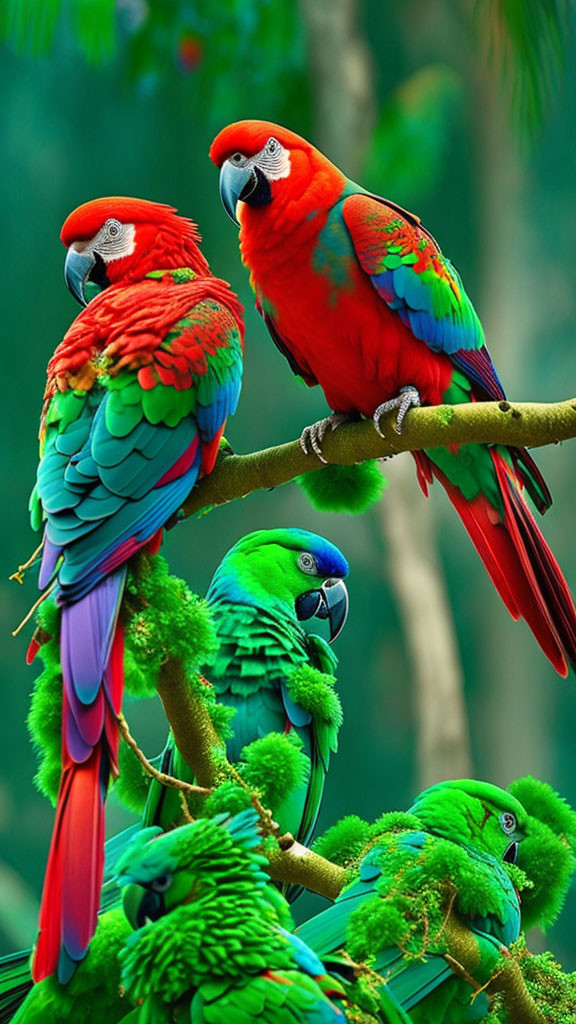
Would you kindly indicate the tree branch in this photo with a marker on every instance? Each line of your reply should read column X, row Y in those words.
column 199, row 745
column 192, row 728
column 463, row 958
column 521, row 424
column 291, row 862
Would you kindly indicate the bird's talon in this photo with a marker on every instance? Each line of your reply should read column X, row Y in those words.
column 407, row 398
column 312, row 437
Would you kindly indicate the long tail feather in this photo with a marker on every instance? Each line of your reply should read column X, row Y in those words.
column 92, row 667
column 516, row 557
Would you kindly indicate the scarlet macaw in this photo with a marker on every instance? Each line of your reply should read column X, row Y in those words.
column 359, row 298
column 135, row 405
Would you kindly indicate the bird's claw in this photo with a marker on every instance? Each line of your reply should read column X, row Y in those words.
column 312, row 437
column 407, row 398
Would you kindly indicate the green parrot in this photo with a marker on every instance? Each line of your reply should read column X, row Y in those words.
column 267, row 668
column 274, row 675
column 453, row 852
column 211, row 944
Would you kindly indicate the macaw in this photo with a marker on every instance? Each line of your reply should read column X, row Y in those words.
column 402, row 876
column 210, row 932
column 135, row 406
column 358, row 297
column 265, row 587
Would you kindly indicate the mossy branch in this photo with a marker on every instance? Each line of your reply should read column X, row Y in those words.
column 192, row 728
column 293, row 863
column 198, row 743
column 508, row 981
column 522, row 424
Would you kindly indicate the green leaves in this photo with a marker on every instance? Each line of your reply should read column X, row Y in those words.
column 31, row 26
column 527, row 40
column 410, row 143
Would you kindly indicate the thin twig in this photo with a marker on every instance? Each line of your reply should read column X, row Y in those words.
column 461, row 971
column 21, row 570
column 165, row 780
column 34, row 608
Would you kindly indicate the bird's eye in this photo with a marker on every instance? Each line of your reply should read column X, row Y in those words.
column 237, row 159
column 272, row 145
column 308, row 563
column 508, row 822
column 162, row 883
column 113, row 228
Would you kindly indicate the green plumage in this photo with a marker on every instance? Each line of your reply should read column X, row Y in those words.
column 344, row 489
column 548, row 853
column 408, row 873
column 274, row 677
column 215, row 951
column 93, row 994
column 161, row 617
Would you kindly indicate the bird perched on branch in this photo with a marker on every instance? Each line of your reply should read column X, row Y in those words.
column 134, row 409
column 359, row 298
column 276, row 677
column 448, row 859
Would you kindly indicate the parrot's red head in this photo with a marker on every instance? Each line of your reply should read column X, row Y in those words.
column 262, row 163
column 119, row 240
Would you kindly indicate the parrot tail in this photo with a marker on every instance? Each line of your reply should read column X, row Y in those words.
column 514, row 552
column 92, row 659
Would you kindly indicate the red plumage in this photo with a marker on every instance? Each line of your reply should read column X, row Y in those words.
column 359, row 298
column 167, row 331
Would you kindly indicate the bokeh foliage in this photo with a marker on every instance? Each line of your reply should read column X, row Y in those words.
column 102, row 97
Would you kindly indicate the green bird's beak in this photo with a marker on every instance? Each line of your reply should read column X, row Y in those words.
column 142, row 905
column 243, row 183
column 330, row 602
column 85, row 274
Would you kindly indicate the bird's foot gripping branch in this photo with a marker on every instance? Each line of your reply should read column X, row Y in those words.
column 518, row 424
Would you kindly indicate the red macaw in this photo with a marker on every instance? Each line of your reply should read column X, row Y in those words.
column 359, row 298
column 135, row 405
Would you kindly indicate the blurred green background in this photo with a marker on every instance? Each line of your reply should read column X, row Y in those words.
column 463, row 112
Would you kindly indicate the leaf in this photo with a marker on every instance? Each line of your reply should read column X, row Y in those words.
column 528, row 40
column 29, row 25
column 94, row 27
column 409, row 145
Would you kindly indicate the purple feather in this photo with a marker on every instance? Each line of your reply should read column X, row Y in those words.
column 86, row 636
column 50, row 555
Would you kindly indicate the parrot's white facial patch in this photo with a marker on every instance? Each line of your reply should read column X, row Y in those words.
column 274, row 160
column 114, row 241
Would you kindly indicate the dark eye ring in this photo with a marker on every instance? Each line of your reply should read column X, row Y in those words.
column 308, row 563
column 113, row 228
column 162, row 883
column 508, row 822
column 272, row 145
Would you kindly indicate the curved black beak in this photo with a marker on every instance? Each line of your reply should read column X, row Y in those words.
column 85, row 274
column 142, row 905
column 247, row 184
column 76, row 272
column 329, row 602
column 234, row 182
column 511, row 854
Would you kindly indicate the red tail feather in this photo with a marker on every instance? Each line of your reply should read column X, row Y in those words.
column 73, row 880
column 518, row 561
